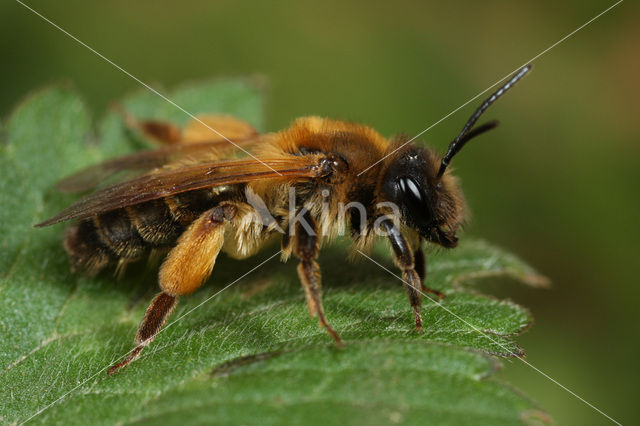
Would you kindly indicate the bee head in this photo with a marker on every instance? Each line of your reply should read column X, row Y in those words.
column 417, row 181
column 432, row 205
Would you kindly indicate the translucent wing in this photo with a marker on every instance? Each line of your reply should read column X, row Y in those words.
column 166, row 182
column 144, row 161
column 196, row 140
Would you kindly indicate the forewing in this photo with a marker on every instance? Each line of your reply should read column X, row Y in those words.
column 144, row 161
column 167, row 182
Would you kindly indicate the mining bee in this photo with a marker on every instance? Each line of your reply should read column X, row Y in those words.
column 196, row 196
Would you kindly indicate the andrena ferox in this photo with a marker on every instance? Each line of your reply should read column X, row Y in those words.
column 197, row 196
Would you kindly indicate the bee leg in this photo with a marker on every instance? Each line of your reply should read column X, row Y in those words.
column 186, row 267
column 162, row 132
column 157, row 312
column 306, row 249
column 420, row 265
column 205, row 128
column 403, row 257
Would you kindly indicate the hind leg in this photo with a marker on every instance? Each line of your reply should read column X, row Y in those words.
column 196, row 131
column 187, row 266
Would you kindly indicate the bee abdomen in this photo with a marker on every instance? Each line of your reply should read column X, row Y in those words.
column 86, row 249
column 117, row 231
column 133, row 232
column 155, row 223
column 102, row 240
column 185, row 207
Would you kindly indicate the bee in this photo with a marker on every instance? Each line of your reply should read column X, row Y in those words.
column 197, row 196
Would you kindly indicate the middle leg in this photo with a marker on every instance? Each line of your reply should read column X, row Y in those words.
column 306, row 249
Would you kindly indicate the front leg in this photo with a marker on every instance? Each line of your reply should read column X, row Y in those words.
column 420, row 265
column 403, row 257
column 305, row 244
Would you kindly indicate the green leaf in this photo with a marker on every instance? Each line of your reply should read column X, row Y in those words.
column 251, row 354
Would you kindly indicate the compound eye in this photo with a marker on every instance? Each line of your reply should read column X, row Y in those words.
column 410, row 189
column 415, row 201
column 411, row 193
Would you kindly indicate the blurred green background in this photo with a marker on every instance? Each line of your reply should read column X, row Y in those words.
column 556, row 183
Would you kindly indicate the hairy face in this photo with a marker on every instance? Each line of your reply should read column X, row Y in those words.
column 432, row 206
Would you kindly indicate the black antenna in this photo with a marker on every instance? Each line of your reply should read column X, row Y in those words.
column 468, row 132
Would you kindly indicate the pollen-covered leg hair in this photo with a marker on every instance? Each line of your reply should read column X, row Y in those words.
column 187, row 266
column 420, row 265
column 306, row 249
column 404, row 259
column 197, row 130
column 159, row 131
